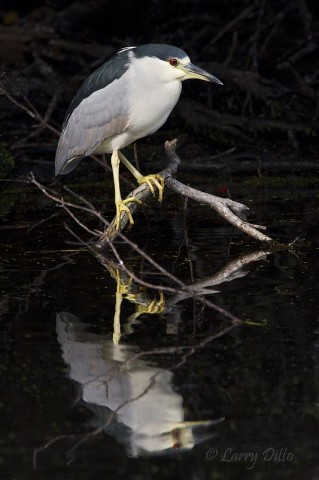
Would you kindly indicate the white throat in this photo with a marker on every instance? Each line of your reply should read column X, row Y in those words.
column 151, row 84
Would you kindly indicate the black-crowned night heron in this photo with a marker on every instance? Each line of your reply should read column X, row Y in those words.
column 128, row 97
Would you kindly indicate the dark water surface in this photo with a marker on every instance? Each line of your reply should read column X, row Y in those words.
column 103, row 378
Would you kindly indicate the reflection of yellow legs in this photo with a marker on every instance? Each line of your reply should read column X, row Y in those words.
column 154, row 307
column 119, row 203
column 117, row 318
column 156, row 179
column 121, row 289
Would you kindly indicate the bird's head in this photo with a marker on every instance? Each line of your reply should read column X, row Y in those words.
column 169, row 63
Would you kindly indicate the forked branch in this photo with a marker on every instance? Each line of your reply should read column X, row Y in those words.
column 232, row 212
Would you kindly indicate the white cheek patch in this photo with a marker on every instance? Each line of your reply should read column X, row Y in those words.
column 185, row 61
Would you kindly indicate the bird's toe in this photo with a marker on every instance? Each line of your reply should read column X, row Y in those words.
column 121, row 206
column 151, row 181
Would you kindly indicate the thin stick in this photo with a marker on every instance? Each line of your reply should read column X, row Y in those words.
column 232, row 212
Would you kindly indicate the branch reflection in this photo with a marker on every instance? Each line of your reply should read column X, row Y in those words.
column 133, row 399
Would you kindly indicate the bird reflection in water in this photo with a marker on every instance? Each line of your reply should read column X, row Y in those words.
column 134, row 399
column 149, row 414
column 126, row 288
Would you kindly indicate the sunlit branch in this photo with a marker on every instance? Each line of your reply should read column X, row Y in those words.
column 233, row 212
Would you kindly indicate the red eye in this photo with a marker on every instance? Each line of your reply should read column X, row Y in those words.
column 173, row 62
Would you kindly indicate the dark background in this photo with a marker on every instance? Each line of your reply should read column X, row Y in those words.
column 265, row 52
column 263, row 125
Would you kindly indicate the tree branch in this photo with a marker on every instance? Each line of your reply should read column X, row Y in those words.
column 232, row 212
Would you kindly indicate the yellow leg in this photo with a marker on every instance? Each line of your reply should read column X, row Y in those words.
column 119, row 203
column 148, row 179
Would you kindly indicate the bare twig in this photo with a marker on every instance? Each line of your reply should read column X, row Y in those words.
column 224, row 206
column 231, row 211
column 89, row 208
column 181, row 286
column 231, row 271
column 27, row 107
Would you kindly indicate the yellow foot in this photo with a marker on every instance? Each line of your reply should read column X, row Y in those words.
column 158, row 182
column 121, row 207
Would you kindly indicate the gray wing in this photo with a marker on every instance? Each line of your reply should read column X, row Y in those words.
column 99, row 116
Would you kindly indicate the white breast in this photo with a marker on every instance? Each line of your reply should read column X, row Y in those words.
column 153, row 95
